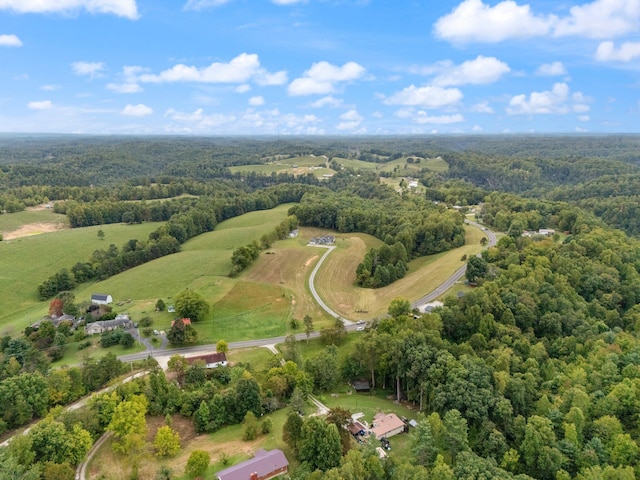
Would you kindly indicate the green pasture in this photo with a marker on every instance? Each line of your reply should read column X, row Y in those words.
column 13, row 221
column 28, row 261
column 294, row 166
column 400, row 165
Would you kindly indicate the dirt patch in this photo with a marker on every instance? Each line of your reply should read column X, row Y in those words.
column 310, row 261
column 33, row 229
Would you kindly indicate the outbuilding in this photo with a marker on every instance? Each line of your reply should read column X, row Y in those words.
column 263, row 466
column 101, row 299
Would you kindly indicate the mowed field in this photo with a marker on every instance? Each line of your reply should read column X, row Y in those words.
column 335, row 278
column 47, row 247
column 294, row 166
column 403, row 167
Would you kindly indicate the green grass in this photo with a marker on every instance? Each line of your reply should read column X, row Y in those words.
column 13, row 221
column 294, row 166
column 315, row 346
column 257, row 359
column 399, row 165
column 28, row 261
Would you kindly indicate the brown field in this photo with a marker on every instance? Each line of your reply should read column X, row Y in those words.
column 33, row 229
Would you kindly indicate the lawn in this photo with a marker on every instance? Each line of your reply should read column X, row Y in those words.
column 399, row 166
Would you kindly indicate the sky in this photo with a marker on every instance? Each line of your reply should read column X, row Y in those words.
column 319, row 67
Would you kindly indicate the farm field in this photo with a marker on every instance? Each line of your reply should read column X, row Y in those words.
column 403, row 167
column 28, row 261
column 294, row 166
column 335, row 278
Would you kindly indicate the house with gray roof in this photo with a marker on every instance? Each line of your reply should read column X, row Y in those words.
column 121, row 321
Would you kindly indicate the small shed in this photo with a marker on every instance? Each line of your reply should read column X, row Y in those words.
column 101, row 299
column 361, row 386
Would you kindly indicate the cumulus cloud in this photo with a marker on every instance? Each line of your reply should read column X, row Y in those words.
column 241, row 69
column 328, row 101
column 558, row 100
column 607, row 52
column 256, row 101
column 10, row 41
column 121, row 8
column 139, row 110
column 552, row 69
column 242, row 88
column 40, row 105
column 92, row 69
column 429, row 96
column 474, row 21
column 480, row 71
column 322, row 78
column 350, row 120
column 600, row 19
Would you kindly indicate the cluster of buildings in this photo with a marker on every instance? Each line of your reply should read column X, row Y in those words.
column 323, row 240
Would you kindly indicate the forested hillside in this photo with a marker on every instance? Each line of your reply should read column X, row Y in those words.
column 534, row 373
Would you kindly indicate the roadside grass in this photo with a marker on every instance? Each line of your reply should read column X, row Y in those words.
column 28, row 261
column 257, row 359
column 315, row 346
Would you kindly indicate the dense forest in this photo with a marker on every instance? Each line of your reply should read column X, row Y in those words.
column 534, row 373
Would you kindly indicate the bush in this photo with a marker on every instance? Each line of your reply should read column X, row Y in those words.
column 146, row 321
column 198, row 463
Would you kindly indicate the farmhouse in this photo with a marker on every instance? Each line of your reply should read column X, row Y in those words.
column 121, row 321
column 387, row 425
column 101, row 299
column 211, row 360
column 265, row 465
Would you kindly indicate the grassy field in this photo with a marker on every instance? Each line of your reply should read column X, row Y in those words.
column 399, row 165
column 335, row 278
column 295, row 166
column 28, row 261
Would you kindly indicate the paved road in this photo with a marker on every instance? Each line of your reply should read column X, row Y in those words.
column 449, row 282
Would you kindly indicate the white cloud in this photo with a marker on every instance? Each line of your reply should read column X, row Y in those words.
column 40, row 105
column 607, row 52
column 198, row 118
column 287, row 2
column 242, row 88
column 482, row 107
column 121, row 8
column 10, row 41
column 50, row 88
column 203, row 4
column 473, row 21
column 600, row 19
column 240, row 69
column 552, row 69
column 139, row 110
column 584, row 118
column 92, row 69
column 124, row 87
column 351, row 119
column 480, row 71
column 555, row 101
column 423, row 117
column 477, row 128
column 256, row 101
column 327, row 101
column 429, row 96
column 322, row 77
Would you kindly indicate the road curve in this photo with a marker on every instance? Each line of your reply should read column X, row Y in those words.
column 449, row 282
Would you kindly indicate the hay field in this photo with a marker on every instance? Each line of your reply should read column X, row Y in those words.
column 295, row 166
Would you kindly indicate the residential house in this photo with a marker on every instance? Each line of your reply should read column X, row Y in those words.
column 264, row 465
column 211, row 360
column 387, row 425
column 185, row 321
column 56, row 321
column 121, row 321
column 101, row 299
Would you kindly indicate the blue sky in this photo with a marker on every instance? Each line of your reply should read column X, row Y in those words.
column 319, row 67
